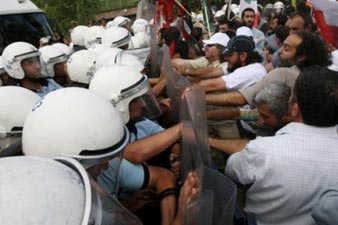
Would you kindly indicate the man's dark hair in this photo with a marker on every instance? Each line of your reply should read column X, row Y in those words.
column 281, row 19
column 196, row 34
column 253, row 57
column 182, row 48
column 247, row 10
column 314, row 50
column 282, row 33
column 316, row 92
column 306, row 18
column 170, row 34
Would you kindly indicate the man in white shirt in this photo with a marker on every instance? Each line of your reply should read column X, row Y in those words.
column 244, row 66
column 291, row 170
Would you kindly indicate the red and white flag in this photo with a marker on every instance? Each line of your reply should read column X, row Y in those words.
column 326, row 15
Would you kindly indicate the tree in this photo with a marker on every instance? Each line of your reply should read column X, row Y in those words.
column 61, row 12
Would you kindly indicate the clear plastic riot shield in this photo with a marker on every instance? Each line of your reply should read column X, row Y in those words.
column 145, row 10
column 195, row 131
column 175, row 83
column 215, row 203
column 155, row 61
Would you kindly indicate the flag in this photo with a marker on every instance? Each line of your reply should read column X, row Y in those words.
column 326, row 15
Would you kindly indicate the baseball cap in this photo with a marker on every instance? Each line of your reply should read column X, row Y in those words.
column 240, row 43
column 244, row 31
column 44, row 40
column 218, row 38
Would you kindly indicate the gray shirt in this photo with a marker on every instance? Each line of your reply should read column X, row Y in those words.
column 285, row 75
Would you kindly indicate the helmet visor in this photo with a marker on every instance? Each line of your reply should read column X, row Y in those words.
column 19, row 58
column 141, row 90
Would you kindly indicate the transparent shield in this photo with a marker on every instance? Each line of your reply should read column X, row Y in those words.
column 106, row 210
column 152, row 110
column 155, row 60
column 193, row 110
column 216, row 202
column 175, row 83
column 145, row 10
column 195, row 149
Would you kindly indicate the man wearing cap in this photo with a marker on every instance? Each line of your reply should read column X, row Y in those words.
column 44, row 41
column 212, row 48
column 244, row 66
column 295, row 51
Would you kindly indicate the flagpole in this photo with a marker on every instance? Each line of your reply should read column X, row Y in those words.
column 228, row 10
column 205, row 10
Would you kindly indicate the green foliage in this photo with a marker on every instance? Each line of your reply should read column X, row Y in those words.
column 61, row 12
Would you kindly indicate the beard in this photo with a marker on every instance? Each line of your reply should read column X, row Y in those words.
column 287, row 62
column 234, row 67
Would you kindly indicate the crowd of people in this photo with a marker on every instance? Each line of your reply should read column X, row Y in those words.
column 88, row 136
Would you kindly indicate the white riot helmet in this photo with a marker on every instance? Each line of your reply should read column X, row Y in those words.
column 14, row 54
column 77, row 123
column 116, row 37
column 139, row 40
column 121, row 21
column 49, row 57
column 108, row 55
column 121, row 84
column 15, row 104
column 126, row 59
column 81, row 66
column 93, row 36
column 110, row 24
column 98, row 49
column 278, row 7
column 37, row 190
column 139, row 25
column 68, row 51
column 77, row 35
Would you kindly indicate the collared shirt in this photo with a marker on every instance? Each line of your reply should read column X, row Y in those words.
column 51, row 86
column 288, row 172
column 259, row 38
column 131, row 177
column 244, row 76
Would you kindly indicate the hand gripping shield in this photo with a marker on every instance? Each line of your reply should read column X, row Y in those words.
column 215, row 201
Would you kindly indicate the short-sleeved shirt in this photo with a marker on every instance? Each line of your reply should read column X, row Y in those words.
column 288, row 172
column 259, row 38
column 244, row 76
column 283, row 75
column 203, row 62
column 132, row 177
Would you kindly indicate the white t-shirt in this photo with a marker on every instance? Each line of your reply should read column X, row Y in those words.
column 244, row 76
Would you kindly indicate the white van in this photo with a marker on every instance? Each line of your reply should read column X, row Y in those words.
column 22, row 20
